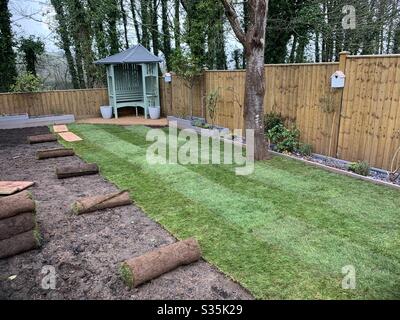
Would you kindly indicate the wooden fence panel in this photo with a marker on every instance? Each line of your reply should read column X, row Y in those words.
column 81, row 103
column 301, row 93
column 370, row 118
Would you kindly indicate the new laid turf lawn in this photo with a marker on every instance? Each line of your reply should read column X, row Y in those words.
column 284, row 232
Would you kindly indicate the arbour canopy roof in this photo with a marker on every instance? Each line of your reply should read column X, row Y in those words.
column 136, row 54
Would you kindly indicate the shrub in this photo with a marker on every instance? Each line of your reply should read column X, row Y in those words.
column 271, row 120
column 27, row 82
column 305, row 149
column 360, row 167
column 286, row 140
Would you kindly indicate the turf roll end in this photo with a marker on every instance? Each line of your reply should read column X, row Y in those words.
column 126, row 275
column 153, row 264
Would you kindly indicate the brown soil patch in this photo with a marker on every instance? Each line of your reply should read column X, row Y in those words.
column 87, row 250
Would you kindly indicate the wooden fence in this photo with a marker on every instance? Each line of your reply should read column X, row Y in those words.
column 81, row 103
column 361, row 122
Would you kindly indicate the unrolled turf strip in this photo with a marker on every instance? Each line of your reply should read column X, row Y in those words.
column 90, row 204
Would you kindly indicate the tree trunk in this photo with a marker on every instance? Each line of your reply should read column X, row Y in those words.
column 254, row 100
column 254, row 42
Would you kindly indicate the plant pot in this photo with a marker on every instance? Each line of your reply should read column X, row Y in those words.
column 106, row 112
column 154, row 112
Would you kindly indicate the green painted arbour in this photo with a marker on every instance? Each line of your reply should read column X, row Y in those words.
column 132, row 79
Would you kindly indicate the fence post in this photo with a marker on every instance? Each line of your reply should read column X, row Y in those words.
column 342, row 67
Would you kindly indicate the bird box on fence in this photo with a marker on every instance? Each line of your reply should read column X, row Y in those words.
column 338, row 79
column 167, row 77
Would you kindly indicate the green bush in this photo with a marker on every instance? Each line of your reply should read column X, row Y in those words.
column 271, row 120
column 305, row 149
column 27, row 82
column 360, row 167
column 286, row 140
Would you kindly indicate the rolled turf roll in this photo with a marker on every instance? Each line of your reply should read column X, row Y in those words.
column 54, row 153
column 20, row 243
column 42, row 138
column 154, row 263
column 95, row 203
column 20, row 223
column 76, row 171
column 15, row 204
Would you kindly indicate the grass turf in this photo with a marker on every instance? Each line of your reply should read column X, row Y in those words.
column 284, row 232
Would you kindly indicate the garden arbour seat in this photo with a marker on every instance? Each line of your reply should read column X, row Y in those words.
column 132, row 78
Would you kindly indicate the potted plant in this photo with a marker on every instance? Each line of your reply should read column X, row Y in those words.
column 154, row 112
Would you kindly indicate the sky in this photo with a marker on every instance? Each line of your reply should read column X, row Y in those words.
column 35, row 17
column 32, row 17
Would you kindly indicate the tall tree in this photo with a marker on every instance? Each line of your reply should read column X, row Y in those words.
column 135, row 20
column 254, row 43
column 112, row 16
column 8, row 72
column 195, row 29
column 166, row 34
column 154, row 26
column 177, row 24
column 31, row 48
column 279, row 33
column 146, row 22
column 124, row 22
column 82, row 35
column 65, row 40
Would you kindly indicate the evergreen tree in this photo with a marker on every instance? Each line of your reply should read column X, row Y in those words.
column 8, row 72
column 31, row 48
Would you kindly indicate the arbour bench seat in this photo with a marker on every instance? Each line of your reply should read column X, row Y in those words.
column 129, row 99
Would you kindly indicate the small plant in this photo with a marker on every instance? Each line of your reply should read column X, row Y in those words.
column 271, row 120
column 305, row 149
column 394, row 172
column 198, row 123
column 286, row 140
column 360, row 167
column 27, row 82
column 211, row 104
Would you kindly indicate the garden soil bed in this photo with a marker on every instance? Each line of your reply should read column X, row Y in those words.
column 86, row 251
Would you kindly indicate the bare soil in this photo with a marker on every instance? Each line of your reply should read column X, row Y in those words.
column 87, row 250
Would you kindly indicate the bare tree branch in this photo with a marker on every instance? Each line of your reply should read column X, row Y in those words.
column 234, row 20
